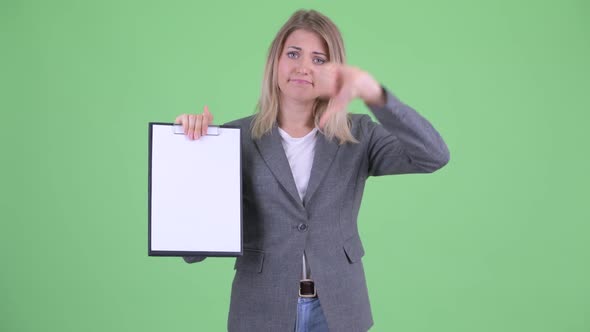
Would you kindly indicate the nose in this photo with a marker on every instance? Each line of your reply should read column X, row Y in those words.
column 304, row 67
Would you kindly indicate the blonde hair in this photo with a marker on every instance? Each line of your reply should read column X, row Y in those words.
column 338, row 126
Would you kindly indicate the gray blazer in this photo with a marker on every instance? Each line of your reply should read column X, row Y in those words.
column 279, row 226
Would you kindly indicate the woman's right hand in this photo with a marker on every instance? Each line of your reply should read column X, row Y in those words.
column 195, row 125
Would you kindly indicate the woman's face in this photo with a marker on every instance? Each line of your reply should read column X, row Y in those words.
column 303, row 54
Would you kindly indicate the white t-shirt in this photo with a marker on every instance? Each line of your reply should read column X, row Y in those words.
column 300, row 152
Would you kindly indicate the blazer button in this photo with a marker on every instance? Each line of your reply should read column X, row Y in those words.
column 302, row 227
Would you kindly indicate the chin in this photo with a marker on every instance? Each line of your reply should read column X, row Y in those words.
column 301, row 96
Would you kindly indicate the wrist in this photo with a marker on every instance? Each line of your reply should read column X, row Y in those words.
column 377, row 98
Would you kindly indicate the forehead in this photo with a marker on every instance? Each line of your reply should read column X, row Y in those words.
column 307, row 40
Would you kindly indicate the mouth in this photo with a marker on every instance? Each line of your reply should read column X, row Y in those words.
column 300, row 81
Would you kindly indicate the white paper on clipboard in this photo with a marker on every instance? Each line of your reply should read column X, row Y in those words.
column 195, row 194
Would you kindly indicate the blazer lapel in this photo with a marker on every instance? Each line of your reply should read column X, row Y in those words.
column 271, row 150
column 325, row 150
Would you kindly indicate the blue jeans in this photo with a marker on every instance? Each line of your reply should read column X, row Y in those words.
column 310, row 317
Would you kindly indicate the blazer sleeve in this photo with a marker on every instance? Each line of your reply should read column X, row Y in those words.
column 193, row 259
column 403, row 141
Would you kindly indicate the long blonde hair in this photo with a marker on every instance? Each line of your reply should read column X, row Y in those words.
column 338, row 126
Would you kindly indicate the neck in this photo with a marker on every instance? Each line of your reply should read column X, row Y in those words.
column 296, row 118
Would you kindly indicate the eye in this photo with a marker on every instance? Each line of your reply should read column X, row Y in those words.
column 319, row 61
column 292, row 55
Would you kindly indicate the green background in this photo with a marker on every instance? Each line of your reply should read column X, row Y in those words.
column 498, row 240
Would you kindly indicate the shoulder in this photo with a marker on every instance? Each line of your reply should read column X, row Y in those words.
column 243, row 123
column 359, row 119
column 360, row 124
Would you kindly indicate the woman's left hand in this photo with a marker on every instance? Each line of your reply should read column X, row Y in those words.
column 342, row 84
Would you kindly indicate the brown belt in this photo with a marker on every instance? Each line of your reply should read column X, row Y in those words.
column 307, row 288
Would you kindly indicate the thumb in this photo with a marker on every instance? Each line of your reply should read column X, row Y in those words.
column 207, row 113
column 337, row 104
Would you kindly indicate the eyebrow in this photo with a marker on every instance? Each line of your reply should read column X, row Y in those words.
column 299, row 49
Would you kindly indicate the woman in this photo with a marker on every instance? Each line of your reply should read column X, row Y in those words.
column 305, row 163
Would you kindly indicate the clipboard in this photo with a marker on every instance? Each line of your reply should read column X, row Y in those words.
column 194, row 192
